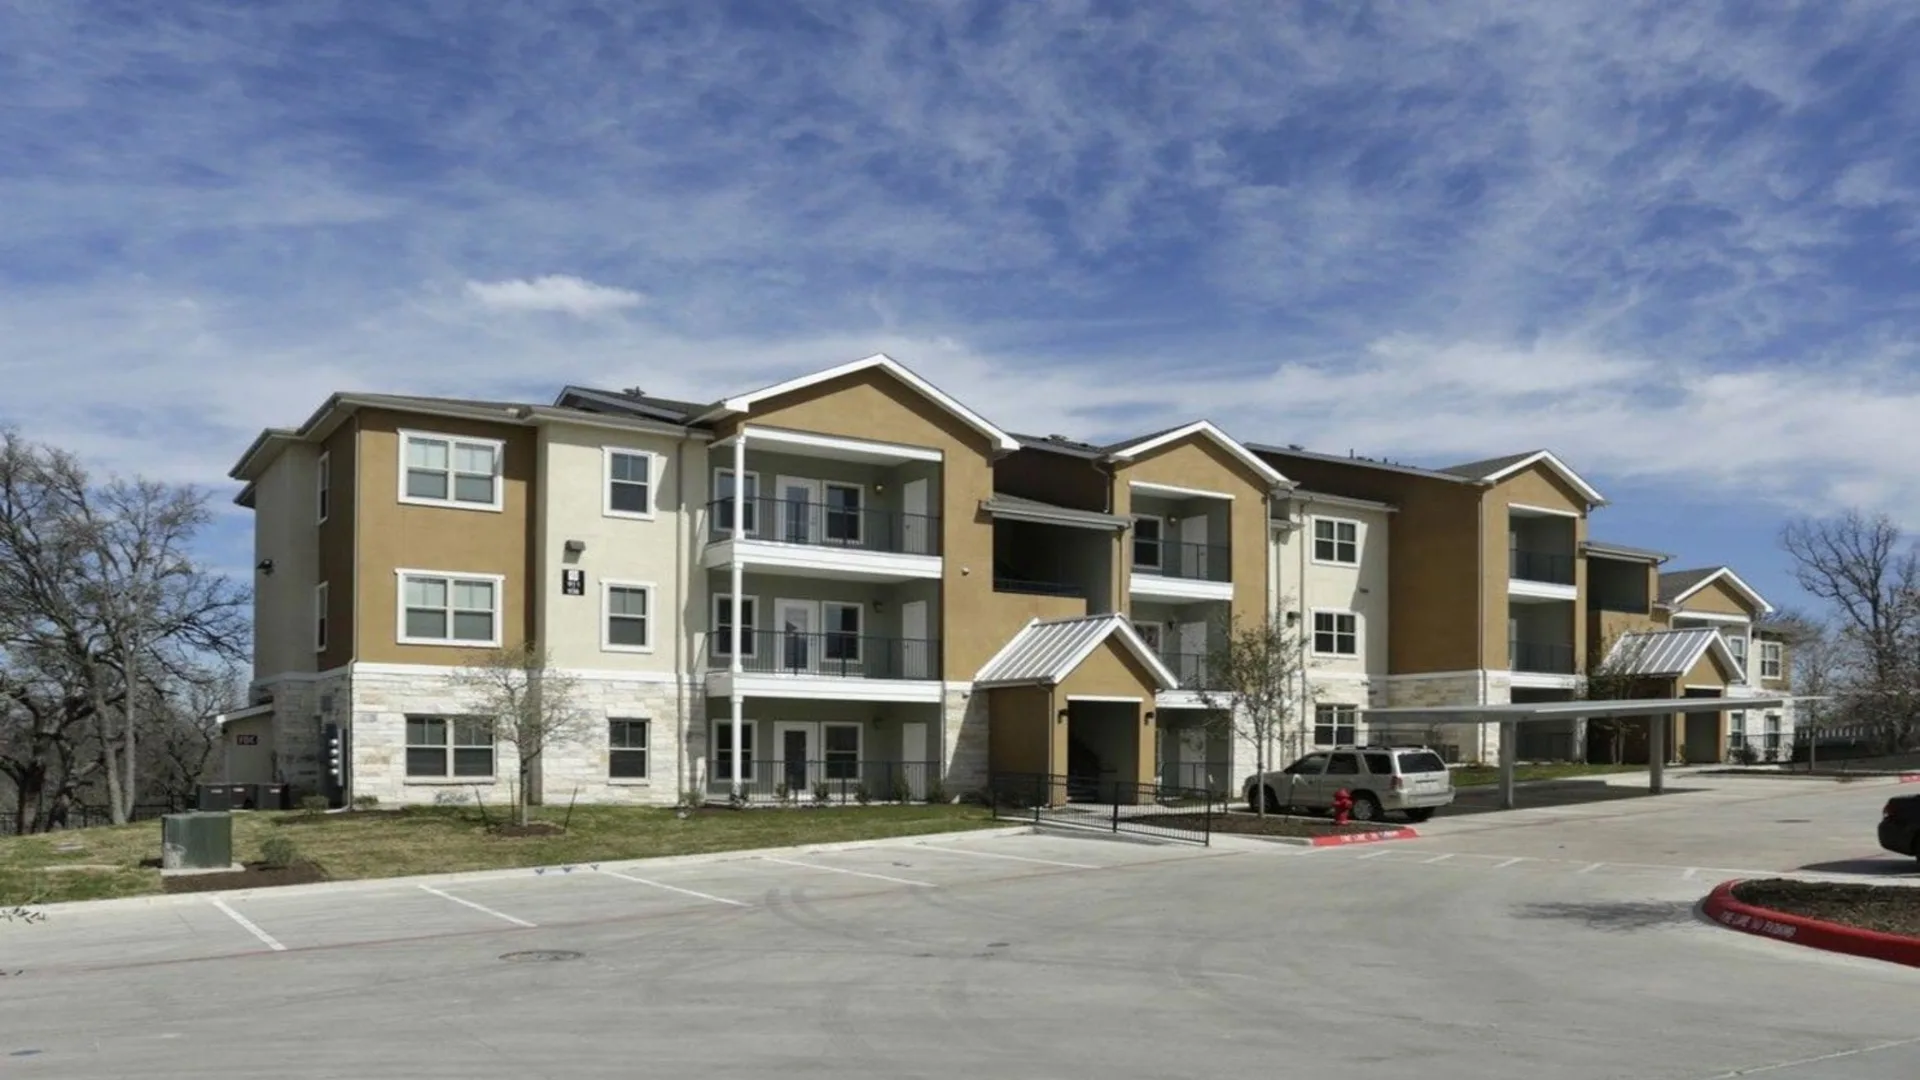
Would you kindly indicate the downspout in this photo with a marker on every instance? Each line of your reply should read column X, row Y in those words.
column 683, row 691
column 1306, row 622
column 1480, row 605
column 734, row 665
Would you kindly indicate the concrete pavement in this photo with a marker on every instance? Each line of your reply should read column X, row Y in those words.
column 1485, row 950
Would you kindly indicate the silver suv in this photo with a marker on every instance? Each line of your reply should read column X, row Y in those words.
column 1411, row 780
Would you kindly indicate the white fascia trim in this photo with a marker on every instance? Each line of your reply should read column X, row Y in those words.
column 1543, row 590
column 1227, row 442
column 1309, row 497
column 1550, row 510
column 498, row 505
column 584, row 674
column 828, row 688
column 247, row 713
column 1726, row 572
column 1585, row 489
column 744, row 403
column 1536, row 680
column 1158, row 587
column 1117, row 698
column 1120, row 624
column 1176, row 491
column 1713, row 616
column 807, row 440
column 654, row 472
column 1428, row 676
column 607, row 585
column 400, row 576
column 851, row 562
column 547, row 416
column 1175, row 699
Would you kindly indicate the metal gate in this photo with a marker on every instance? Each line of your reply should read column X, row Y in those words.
column 1159, row 811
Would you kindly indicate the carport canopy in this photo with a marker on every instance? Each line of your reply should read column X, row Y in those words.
column 1510, row 717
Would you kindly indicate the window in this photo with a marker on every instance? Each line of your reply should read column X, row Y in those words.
column 722, row 637
column 723, row 751
column 1380, row 764
column 723, row 502
column 323, row 495
column 843, row 632
column 1770, row 660
column 1149, row 633
column 1737, row 645
column 1147, row 537
column 1736, row 730
column 843, row 751
column 1336, row 541
column 1335, row 725
column 441, row 470
column 1773, row 734
column 1343, row 765
column 626, row 749
column 629, row 617
column 629, row 483
column 1311, row 765
column 449, row 609
column 449, row 748
column 1336, row 633
column 320, row 617
column 844, row 517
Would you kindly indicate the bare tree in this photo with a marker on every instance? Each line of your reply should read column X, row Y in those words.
column 530, row 705
column 1258, row 676
column 1612, row 677
column 1818, row 667
column 1869, row 576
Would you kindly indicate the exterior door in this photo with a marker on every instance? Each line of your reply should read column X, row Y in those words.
column 913, row 755
column 799, row 635
column 793, row 743
column 799, row 510
column 916, row 527
column 1193, row 759
column 1193, row 547
column 1193, row 654
column 916, row 651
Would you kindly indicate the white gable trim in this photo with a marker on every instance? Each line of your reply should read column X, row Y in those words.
column 1546, row 457
column 1204, row 427
column 1120, row 624
column 1742, row 587
column 744, row 403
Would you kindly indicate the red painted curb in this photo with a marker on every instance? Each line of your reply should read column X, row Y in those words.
column 1910, row 777
column 1729, row 911
column 1337, row 839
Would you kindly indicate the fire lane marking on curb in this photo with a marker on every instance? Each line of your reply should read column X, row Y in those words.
column 514, row 919
column 855, row 873
column 248, row 925
column 674, row 888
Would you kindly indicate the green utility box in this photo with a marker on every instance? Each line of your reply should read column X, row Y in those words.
column 198, row 841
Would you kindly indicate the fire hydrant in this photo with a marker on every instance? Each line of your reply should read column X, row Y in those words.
column 1342, row 806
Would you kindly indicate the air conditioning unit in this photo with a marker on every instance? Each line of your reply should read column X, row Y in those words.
column 196, row 841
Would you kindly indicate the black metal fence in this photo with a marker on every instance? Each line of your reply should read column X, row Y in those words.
column 1552, row 568
column 1852, row 745
column 861, row 528
column 831, row 781
column 1545, row 657
column 1194, row 670
column 1153, row 810
column 1213, row 777
column 1177, row 559
column 829, row 653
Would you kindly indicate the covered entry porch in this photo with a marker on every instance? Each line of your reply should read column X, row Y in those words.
column 808, row 750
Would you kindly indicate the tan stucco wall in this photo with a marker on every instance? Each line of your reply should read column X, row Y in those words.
column 395, row 535
column 1199, row 463
column 1719, row 598
column 284, row 510
column 1707, row 671
column 338, row 540
column 1022, row 734
column 1535, row 486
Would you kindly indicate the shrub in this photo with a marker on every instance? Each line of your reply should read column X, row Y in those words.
column 365, row 802
column 902, row 791
column 278, row 853
column 313, row 805
column 822, row 791
column 863, row 794
column 936, row 791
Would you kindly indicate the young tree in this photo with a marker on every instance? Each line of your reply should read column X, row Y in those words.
column 1611, row 678
column 1258, row 676
column 1869, row 576
column 530, row 705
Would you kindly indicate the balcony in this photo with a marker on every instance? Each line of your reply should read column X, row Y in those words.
column 1540, row 575
column 831, row 664
column 1540, row 657
column 1194, row 670
column 841, row 540
column 1173, row 570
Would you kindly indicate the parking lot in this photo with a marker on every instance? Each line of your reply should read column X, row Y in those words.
column 1558, row 941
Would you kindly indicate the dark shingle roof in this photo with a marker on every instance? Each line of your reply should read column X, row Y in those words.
column 1058, row 444
column 1480, row 470
column 1268, row 450
column 1675, row 582
column 588, row 399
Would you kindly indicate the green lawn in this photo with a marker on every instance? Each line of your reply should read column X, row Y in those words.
column 1483, row 775
column 106, row 862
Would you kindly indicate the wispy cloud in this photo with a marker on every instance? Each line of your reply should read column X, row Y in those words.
column 554, row 292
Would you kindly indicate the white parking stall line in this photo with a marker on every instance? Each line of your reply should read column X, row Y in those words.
column 1003, row 855
column 840, row 870
column 249, row 926
column 1590, row 868
column 1691, row 871
column 515, row 920
column 674, row 888
column 1502, row 865
column 1438, row 859
column 1373, row 854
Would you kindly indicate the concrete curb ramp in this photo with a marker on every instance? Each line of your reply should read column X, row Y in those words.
column 1728, row 910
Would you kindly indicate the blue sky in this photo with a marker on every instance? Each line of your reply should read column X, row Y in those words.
column 1676, row 248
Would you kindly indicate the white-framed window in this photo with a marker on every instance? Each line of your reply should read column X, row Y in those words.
column 1336, row 633
column 1336, row 725
column 1737, row 645
column 450, row 470
column 439, row 608
column 631, row 476
column 1770, row 660
column 842, row 623
column 626, row 749
column 626, row 610
column 1736, row 730
column 1149, row 542
column 1336, row 541
column 449, row 747
column 722, row 772
column 320, row 617
column 841, row 748
column 323, row 489
column 722, row 636
column 845, row 517
column 1772, row 734
column 723, row 502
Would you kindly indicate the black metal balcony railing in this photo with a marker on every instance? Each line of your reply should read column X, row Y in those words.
column 1189, row 562
column 788, row 521
column 1194, row 670
column 834, row 780
column 1007, row 583
column 831, row 653
column 1546, row 566
column 1540, row 657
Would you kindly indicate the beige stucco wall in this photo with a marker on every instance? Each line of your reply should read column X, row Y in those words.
column 1361, row 589
column 285, row 530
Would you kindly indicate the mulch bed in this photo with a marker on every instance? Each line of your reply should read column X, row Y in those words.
column 1243, row 824
column 1889, row 909
column 255, row 876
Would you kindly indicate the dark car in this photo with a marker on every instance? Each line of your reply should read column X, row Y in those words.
column 1900, row 825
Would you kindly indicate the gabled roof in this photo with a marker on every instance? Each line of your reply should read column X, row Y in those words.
column 1667, row 653
column 1494, row 470
column 1044, row 653
column 1356, row 461
column 1677, row 585
column 1129, row 451
column 744, row 403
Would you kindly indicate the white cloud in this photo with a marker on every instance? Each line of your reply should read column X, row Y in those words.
column 554, row 292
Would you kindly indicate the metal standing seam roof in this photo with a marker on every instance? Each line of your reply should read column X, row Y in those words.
column 1667, row 653
column 1047, row 652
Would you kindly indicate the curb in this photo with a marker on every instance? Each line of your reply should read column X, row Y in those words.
column 1910, row 777
column 1378, row 835
column 1729, row 911
column 357, row 885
